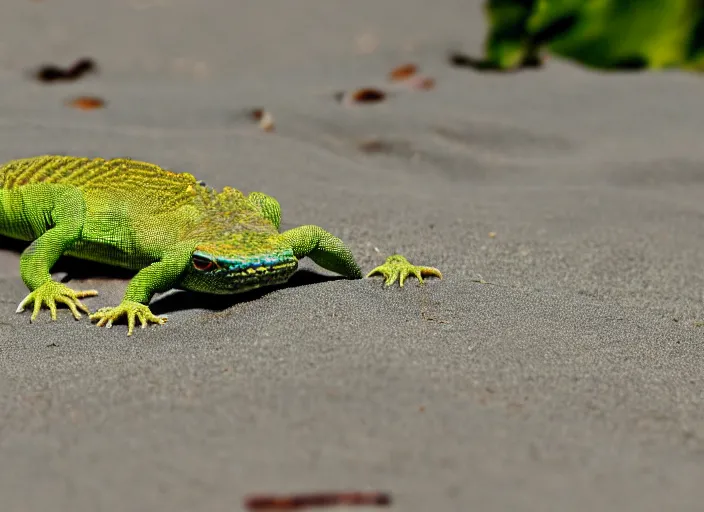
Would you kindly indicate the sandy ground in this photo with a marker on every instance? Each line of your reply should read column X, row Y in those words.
column 572, row 381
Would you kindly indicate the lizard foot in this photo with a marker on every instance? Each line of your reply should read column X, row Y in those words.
column 397, row 267
column 52, row 293
column 132, row 310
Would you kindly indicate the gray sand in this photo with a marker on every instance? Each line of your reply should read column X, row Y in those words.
column 572, row 382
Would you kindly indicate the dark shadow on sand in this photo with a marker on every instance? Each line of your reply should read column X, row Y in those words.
column 184, row 300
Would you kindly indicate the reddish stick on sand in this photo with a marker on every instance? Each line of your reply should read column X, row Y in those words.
column 325, row 499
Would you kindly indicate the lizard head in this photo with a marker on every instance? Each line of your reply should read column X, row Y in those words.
column 251, row 261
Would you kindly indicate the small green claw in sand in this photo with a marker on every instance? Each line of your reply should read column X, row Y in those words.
column 397, row 267
column 50, row 294
column 130, row 309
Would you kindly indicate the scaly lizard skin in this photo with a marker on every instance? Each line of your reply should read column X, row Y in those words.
column 175, row 231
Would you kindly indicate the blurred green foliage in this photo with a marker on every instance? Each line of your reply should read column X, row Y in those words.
column 604, row 34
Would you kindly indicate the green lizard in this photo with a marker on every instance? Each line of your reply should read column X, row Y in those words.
column 171, row 228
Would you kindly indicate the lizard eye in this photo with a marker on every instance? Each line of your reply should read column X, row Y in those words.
column 202, row 264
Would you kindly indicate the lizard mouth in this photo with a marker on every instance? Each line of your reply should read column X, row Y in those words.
column 243, row 273
column 260, row 274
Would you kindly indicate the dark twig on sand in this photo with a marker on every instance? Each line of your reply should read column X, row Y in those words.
column 323, row 499
column 51, row 73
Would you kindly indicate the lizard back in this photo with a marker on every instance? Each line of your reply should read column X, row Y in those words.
column 165, row 190
column 135, row 209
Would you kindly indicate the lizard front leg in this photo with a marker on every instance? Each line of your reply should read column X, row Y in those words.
column 330, row 252
column 66, row 218
column 323, row 248
column 160, row 276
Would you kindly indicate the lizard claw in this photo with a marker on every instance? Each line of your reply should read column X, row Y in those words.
column 132, row 310
column 52, row 293
column 397, row 267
